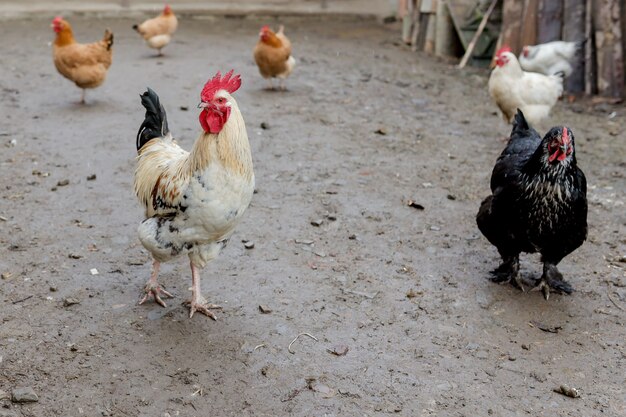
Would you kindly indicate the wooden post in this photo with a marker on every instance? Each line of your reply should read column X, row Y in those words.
column 431, row 29
column 444, row 31
column 529, row 25
column 550, row 20
column 590, row 48
column 609, row 53
column 574, row 31
column 430, row 8
column 415, row 18
column 512, row 11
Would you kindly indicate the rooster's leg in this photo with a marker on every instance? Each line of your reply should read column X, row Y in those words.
column 82, row 97
column 198, row 302
column 153, row 288
column 508, row 271
column 270, row 84
column 552, row 278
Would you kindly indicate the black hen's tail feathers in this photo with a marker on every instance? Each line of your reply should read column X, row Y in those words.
column 155, row 121
column 519, row 123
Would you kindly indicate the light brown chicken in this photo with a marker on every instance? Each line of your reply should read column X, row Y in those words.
column 272, row 54
column 157, row 32
column 84, row 64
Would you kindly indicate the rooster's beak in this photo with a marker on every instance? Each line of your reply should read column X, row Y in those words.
column 203, row 105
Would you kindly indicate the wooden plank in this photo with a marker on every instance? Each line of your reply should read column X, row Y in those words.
column 423, row 28
column 590, row 48
column 428, row 6
column 609, row 53
column 529, row 25
column 415, row 17
column 444, row 31
column 574, row 31
column 549, row 20
column 512, row 11
column 431, row 28
column 479, row 31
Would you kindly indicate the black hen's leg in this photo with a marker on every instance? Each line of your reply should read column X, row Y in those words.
column 552, row 279
column 508, row 271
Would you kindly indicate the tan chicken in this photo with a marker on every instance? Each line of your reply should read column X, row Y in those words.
column 193, row 200
column 272, row 54
column 512, row 88
column 157, row 32
column 84, row 64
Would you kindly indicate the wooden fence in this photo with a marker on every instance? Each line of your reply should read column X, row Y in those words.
column 602, row 23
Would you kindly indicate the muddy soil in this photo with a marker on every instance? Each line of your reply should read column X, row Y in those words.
column 405, row 290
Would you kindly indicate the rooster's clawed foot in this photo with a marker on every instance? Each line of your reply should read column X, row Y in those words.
column 155, row 290
column 552, row 279
column 201, row 305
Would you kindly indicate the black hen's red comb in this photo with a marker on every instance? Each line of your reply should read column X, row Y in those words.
column 228, row 83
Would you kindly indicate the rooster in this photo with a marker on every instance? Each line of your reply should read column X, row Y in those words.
column 193, row 200
column 84, row 64
column 512, row 88
column 538, row 204
column 550, row 58
column 272, row 55
column 157, row 32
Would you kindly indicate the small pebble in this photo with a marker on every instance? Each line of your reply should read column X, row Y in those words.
column 352, row 237
column 248, row 245
column 63, row 183
column 24, row 395
column 567, row 391
column 91, row 177
column 304, row 241
column 69, row 301
column 93, row 271
column 265, row 125
column 184, row 108
column 317, row 222
column 264, row 309
column 4, row 395
column 525, row 346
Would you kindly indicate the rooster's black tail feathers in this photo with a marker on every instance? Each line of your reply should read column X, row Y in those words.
column 155, row 122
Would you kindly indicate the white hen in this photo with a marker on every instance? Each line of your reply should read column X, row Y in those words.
column 512, row 88
column 550, row 58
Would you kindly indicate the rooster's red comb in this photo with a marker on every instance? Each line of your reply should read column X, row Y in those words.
column 57, row 19
column 505, row 48
column 228, row 83
column 265, row 28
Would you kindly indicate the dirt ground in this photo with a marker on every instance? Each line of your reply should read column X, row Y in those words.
column 405, row 290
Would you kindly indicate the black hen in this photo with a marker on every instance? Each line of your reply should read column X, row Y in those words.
column 538, row 204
